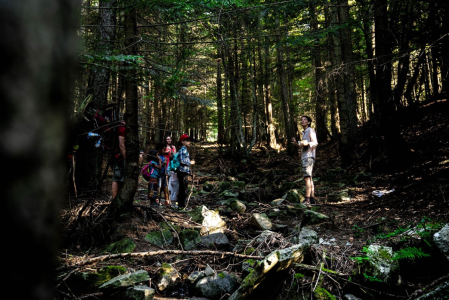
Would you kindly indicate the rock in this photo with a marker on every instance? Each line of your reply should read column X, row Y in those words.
column 139, row 292
column 294, row 196
column 168, row 279
column 241, row 244
column 261, row 221
column 229, row 194
column 339, row 196
column 350, row 297
column 264, row 235
column 264, row 274
column 225, row 202
column 125, row 245
column 306, row 236
column 440, row 292
column 380, row 263
column 189, row 239
column 224, row 186
column 208, row 271
column 277, row 202
column 88, row 281
column 219, row 240
column 129, row 279
column 164, row 225
column 238, row 184
column 441, row 239
column 321, row 293
column 238, row 206
column 159, row 238
column 212, row 222
column 195, row 277
column 312, row 217
column 215, row 287
column 196, row 214
column 208, row 187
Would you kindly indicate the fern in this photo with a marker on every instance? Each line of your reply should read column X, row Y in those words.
column 410, row 253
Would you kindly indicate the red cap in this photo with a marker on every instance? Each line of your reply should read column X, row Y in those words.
column 184, row 137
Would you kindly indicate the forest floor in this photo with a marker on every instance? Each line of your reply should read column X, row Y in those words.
column 420, row 196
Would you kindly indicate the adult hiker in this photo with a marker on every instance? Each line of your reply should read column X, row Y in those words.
column 308, row 152
column 183, row 171
column 119, row 161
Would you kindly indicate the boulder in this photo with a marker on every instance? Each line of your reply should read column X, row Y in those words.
column 312, row 217
column 165, row 226
column 224, row 185
column 277, row 202
column 168, row 279
column 261, row 221
column 212, row 222
column 306, row 236
column 219, row 240
column 238, row 206
column 159, row 238
column 208, row 271
column 238, row 184
column 125, row 280
column 294, row 196
column 189, row 239
column 228, row 194
column 264, row 235
column 139, row 292
column 441, row 239
column 125, row 245
column 216, row 286
column 380, row 263
column 265, row 274
column 88, row 281
column 195, row 277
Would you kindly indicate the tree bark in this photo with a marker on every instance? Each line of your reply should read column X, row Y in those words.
column 38, row 56
column 124, row 200
column 220, row 137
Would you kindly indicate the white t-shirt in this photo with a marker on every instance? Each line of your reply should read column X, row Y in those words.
column 307, row 135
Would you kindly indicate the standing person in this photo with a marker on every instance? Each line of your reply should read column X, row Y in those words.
column 160, row 147
column 119, row 161
column 173, row 188
column 184, row 170
column 308, row 153
column 170, row 150
column 155, row 165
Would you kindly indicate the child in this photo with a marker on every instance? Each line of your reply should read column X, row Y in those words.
column 156, row 164
column 160, row 147
column 184, row 170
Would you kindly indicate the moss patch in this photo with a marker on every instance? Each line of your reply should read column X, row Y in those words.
column 322, row 294
column 125, row 245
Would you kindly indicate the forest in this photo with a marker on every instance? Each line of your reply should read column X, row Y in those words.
column 312, row 138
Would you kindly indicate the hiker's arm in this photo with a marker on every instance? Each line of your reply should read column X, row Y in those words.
column 313, row 141
column 121, row 145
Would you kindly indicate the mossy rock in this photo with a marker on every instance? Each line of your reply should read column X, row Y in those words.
column 164, row 226
column 238, row 184
column 229, row 194
column 208, row 186
column 224, row 185
column 196, row 214
column 89, row 281
column 125, row 245
column 189, row 239
column 238, row 206
column 323, row 294
column 294, row 196
column 157, row 239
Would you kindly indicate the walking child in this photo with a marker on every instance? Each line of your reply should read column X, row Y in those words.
column 160, row 147
column 155, row 164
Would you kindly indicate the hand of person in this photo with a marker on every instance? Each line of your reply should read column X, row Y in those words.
column 192, row 162
column 304, row 143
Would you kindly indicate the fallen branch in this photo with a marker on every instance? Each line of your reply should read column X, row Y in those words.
column 421, row 291
column 313, row 268
column 162, row 252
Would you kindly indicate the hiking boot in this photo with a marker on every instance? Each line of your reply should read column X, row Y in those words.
column 306, row 201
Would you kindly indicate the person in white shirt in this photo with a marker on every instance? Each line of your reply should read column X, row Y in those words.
column 308, row 153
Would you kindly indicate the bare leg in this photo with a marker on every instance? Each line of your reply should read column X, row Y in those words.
column 309, row 187
column 116, row 186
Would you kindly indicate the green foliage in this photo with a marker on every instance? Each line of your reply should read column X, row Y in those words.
column 410, row 253
column 358, row 230
column 371, row 278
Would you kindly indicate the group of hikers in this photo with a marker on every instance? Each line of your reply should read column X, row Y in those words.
column 168, row 170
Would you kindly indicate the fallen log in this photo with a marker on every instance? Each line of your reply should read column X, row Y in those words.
column 162, row 252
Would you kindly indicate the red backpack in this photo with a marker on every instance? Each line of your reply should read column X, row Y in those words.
column 146, row 172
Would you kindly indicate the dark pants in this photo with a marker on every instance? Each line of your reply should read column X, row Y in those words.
column 183, row 185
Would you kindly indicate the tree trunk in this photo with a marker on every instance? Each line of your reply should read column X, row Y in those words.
column 271, row 139
column 220, row 137
column 38, row 56
column 124, row 200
